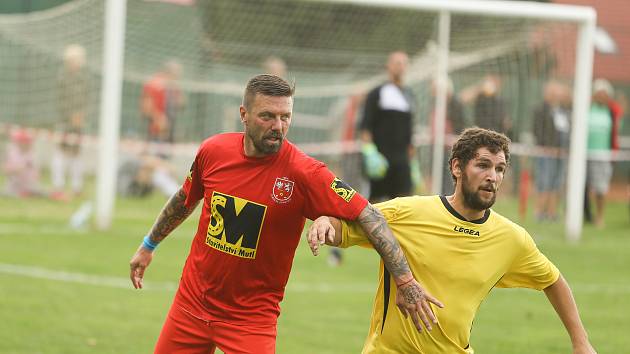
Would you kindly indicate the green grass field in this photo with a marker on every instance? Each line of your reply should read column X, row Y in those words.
column 65, row 291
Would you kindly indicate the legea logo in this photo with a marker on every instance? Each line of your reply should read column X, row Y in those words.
column 467, row 231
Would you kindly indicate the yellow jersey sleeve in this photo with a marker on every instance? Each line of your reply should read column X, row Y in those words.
column 352, row 233
column 530, row 269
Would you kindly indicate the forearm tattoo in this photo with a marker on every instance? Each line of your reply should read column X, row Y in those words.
column 383, row 240
column 173, row 214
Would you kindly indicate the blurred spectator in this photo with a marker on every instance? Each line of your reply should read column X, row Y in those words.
column 73, row 95
column 22, row 174
column 387, row 123
column 489, row 108
column 274, row 65
column 455, row 123
column 490, row 112
column 551, row 130
column 603, row 129
column 139, row 176
column 455, row 118
column 161, row 102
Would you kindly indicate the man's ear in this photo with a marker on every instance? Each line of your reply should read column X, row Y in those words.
column 243, row 113
column 456, row 168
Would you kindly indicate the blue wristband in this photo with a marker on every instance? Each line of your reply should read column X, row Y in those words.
column 148, row 244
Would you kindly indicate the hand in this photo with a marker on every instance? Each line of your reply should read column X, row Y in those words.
column 139, row 262
column 412, row 299
column 321, row 230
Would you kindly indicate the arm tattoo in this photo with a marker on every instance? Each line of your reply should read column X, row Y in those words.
column 383, row 240
column 173, row 214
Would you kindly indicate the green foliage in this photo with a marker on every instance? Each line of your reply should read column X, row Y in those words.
column 326, row 310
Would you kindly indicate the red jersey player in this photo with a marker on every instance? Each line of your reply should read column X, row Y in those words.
column 257, row 189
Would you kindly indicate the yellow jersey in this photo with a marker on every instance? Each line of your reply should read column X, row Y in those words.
column 457, row 261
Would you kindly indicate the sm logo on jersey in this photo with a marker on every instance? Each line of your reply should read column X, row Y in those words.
column 235, row 225
column 342, row 189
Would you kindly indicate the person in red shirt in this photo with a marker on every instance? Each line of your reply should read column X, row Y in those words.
column 256, row 189
column 161, row 99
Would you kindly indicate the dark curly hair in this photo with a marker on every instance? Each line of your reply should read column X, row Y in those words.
column 268, row 85
column 471, row 139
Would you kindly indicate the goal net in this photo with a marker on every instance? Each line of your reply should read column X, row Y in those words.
column 498, row 68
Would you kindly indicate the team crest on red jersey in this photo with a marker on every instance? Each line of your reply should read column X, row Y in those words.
column 282, row 190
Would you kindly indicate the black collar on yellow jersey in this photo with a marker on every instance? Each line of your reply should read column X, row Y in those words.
column 454, row 212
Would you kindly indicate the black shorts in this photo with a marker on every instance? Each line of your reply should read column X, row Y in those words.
column 397, row 183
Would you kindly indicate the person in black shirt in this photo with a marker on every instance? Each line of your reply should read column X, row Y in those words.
column 387, row 123
column 489, row 109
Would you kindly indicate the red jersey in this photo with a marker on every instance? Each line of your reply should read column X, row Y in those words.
column 253, row 214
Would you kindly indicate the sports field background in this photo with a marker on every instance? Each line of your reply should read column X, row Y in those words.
column 67, row 291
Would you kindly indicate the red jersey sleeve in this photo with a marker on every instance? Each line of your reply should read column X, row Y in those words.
column 193, row 185
column 329, row 195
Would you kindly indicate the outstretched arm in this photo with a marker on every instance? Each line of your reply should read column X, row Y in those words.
column 381, row 237
column 561, row 298
column 173, row 213
column 411, row 298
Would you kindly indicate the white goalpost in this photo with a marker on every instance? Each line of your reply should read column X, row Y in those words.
column 109, row 125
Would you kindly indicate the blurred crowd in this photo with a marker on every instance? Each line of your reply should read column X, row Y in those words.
column 384, row 125
column 389, row 155
column 140, row 173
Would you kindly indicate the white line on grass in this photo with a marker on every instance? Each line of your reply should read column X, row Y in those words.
column 12, row 229
column 125, row 283
column 81, row 278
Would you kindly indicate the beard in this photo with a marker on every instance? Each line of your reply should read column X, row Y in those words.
column 264, row 146
column 472, row 199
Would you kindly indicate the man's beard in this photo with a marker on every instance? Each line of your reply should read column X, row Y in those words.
column 264, row 148
column 472, row 199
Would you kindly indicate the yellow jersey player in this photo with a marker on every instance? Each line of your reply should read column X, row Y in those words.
column 459, row 249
